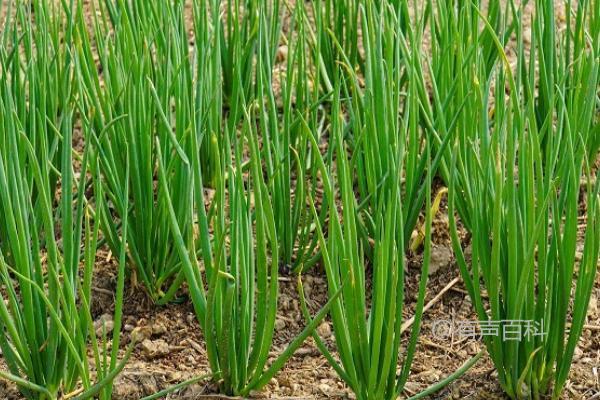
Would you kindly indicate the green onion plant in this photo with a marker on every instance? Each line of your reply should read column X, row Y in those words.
column 462, row 53
column 368, row 334
column 368, row 317
column 48, row 253
column 519, row 169
column 289, row 158
column 389, row 110
column 339, row 20
column 380, row 174
column 140, row 101
column 35, row 69
column 235, row 291
column 238, row 23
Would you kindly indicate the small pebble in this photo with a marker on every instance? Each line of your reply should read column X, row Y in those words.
column 324, row 330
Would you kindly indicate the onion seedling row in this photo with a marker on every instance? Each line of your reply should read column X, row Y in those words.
column 517, row 183
column 47, row 252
